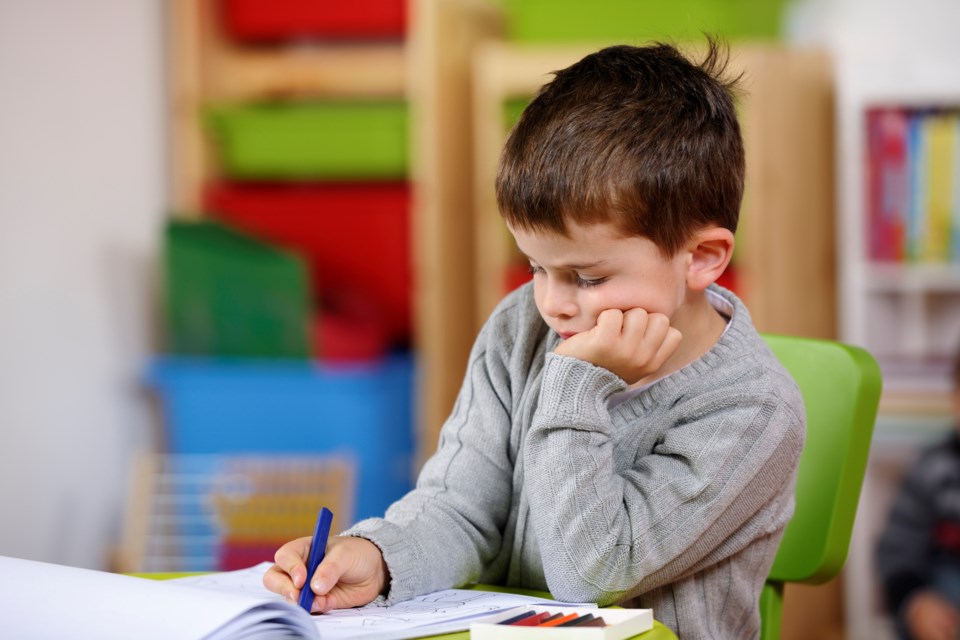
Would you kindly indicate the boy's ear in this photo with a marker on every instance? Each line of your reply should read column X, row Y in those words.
column 711, row 249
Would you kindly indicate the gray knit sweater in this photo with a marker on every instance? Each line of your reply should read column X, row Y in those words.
column 674, row 500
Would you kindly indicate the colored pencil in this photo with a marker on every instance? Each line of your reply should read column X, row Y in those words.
column 532, row 621
column 578, row 621
column 558, row 621
column 525, row 614
column 596, row 622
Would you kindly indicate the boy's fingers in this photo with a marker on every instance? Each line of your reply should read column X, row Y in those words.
column 635, row 322
column 327, row 574
column 278, row 581
column 609, row 324
column 322, row 604
column 291, row 557
column 657, row 327
column 670, row 343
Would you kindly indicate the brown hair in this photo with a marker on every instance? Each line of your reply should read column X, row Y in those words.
column 638, row 136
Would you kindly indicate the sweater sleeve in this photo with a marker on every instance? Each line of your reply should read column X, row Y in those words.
column 905, row 552
column 446, row 531
column 616, row 529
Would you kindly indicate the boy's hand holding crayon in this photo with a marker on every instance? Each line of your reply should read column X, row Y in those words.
column 352, row 573
column 632, row 344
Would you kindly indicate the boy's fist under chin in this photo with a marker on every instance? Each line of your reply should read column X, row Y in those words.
column 632, row 344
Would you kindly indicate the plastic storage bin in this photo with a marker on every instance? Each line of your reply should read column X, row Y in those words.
column 630, row 21
column 348, row 337
column 354, row 236
column 273, row 20
column 361, row 412
column 228, row 294
column 317, row 140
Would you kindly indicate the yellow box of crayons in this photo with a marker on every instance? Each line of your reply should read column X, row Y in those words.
column 533, row 622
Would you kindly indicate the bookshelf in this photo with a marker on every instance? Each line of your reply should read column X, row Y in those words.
column 906, row 311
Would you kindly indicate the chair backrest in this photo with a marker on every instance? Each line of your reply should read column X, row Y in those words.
column 841, row 390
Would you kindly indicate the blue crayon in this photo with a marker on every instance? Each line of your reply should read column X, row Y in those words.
column 318, row 549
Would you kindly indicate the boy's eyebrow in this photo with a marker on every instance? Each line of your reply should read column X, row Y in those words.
column 574, row 267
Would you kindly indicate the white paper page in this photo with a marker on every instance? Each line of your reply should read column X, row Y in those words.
column 41, row 601
column 434, row 613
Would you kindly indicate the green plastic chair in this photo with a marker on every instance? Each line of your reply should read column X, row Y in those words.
column 841, row 390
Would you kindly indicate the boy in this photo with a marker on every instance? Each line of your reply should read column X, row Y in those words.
column 623, row 435
column 918, row 556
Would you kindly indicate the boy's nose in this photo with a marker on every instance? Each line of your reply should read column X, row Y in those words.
column 558, row 301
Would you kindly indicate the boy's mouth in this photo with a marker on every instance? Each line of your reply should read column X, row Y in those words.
column 566, row 334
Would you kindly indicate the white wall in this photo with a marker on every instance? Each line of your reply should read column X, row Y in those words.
column 883, row 28
column 81, row 199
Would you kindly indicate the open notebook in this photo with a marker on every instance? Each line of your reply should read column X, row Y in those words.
column 40, row 600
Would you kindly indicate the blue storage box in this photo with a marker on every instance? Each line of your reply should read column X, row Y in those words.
column 362, row 411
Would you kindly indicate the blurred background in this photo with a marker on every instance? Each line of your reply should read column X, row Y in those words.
column 246, row 246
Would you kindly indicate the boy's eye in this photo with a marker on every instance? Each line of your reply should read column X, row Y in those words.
column 580, row 281
column 585, row 283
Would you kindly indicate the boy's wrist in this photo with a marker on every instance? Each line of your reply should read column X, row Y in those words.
column 571, row 385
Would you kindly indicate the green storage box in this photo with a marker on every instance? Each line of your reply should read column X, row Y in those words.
column 303, row 141
column 513, row 109
column 231, row 295
column 634, row 21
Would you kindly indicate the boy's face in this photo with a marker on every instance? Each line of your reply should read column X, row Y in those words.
column 598, row 268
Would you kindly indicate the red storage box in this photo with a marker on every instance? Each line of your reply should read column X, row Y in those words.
column 349, row 336
column 515, row 275
column 272, row 20
column 233, row 555
column 354, row 236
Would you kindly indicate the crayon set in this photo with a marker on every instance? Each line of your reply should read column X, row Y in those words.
column 569, row 623
column 545, row 619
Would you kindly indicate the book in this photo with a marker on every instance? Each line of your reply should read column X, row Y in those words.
column 887, row 184
column 42, row 600
column 955, row 193
column 939, row 192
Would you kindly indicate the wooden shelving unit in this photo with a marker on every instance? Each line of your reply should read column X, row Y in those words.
column 785, row 258
column 455, row 70
column 442, row 40
column 206, row 68
column 430, row 69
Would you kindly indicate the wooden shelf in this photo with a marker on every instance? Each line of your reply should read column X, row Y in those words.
column 207, row 68
column 334, row 71
column 935, row 403
column 442, row 39
column 912, row 278
column 787, row 222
